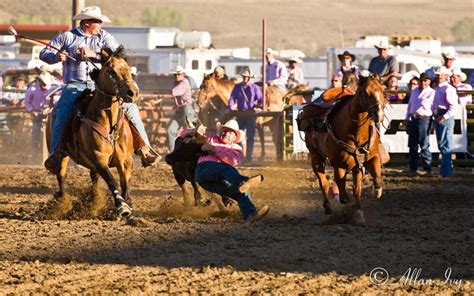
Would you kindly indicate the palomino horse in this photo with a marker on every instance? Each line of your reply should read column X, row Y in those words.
column 350, row 143
column 212, row 88
column 104, row 139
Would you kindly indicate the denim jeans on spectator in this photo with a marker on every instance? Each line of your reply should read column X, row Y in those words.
column 225, row 180
column 248, row 124
column 444, row 135
column 418, row 136
column 179, row 120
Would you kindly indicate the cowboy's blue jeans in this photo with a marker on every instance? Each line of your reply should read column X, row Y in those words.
column 418, row 136
column 248, row 124
column 179, row 119
column 225, row 180
column 444, row 135
column 64, row 111
column 133, row 114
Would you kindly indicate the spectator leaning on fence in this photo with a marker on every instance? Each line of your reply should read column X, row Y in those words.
column 444, row 107
column 181, row 92
column 84, row 44
column 277, row 75
column 457, row 80
column 419, row 122
column 383, row 65
column 246, row 96
column 35, row 104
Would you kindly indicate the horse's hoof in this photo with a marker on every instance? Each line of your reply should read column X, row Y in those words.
column 124, row 210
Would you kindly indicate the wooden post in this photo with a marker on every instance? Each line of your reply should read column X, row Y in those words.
column 77, row 6
column 264, row 62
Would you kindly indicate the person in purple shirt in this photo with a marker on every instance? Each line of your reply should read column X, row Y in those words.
column 277, row 75
column 419, row 121
column 444, row 107
column 246, row 96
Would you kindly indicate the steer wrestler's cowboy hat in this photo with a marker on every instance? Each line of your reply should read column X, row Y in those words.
column 178, row 70
column 233, row 126
column 91, row 13
column 247, row 73
column 346, row 54
column 458, row 72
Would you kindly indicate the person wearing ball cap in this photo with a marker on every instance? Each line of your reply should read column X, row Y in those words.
column 216, row 170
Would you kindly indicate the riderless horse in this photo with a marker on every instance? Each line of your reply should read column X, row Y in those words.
column 350, row 141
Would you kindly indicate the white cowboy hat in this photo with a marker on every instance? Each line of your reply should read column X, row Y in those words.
column 247, row 73
column 272, row 52
column 133, row 71
column 383, row 44
column 178, row 70
column 45, row 77
column 449, row 53
column 91, row 12
column 232, row 125
column 443, row 71
column 295, row 59
column 458, row 72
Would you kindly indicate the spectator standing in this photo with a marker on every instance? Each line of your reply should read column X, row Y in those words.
column 457, row 80
column 35, row 104
column 419, row 122
column 277, row 75
column 383, row 65
column 184, row 110
column 347, row 59
column 444, row 107
column 246, row 96
column 295, row 73
column 219, row 73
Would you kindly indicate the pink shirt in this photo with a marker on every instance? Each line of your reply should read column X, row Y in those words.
column 445, row 98
column 35, row 98
column 230, row 154
column 420, row 102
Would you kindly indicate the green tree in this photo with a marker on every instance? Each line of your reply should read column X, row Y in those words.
column 163, row 16
column 463, row 30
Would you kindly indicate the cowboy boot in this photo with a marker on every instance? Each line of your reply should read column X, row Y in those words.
column 53, row 162
column 148, row 156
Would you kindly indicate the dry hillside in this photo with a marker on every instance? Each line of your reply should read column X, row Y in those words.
column 307, row 25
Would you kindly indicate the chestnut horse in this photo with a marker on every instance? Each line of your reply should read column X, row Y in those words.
column 351, row 143
column 103, row 138
column 215, row 92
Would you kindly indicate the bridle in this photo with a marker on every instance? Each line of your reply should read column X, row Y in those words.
column 120, row 84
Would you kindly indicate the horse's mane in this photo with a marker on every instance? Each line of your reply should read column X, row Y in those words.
column 121, row 53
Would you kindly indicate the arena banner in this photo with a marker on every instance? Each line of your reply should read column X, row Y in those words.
column 393, row 134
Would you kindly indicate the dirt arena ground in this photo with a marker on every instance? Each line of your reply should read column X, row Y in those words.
column 420, row 233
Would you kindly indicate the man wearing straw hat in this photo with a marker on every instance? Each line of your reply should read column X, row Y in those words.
column 183, row 104
column 383, row 65
column 84, row 45
column 444, row 107
column 295, row 73
column 277, row 75
column 35, row 103
column 246, row 96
